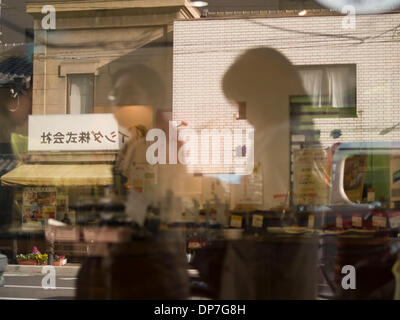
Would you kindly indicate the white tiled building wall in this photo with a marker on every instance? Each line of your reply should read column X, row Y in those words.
column 204, row 49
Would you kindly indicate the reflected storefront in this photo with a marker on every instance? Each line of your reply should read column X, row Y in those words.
column 173, row 155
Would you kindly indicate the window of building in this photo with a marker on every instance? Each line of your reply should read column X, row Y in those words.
column 80, row 93
column 331, row 90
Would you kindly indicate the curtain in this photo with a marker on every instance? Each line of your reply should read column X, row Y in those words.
column 339, row 81
column 75, row 99
column 81, row 95
column 313, row 81
column 334, row 83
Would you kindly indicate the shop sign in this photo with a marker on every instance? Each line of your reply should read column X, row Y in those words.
column 83, row 132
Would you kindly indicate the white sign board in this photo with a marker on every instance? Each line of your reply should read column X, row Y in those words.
column 81, row 132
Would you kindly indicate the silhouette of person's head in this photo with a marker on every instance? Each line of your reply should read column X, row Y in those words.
column 138, row 85
column 263, row 79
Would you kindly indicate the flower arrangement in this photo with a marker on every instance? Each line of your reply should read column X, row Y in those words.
column 33, row 258
column 59, row 260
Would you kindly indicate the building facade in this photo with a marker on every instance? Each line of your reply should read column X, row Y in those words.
column 88, row 37
column 204, row 49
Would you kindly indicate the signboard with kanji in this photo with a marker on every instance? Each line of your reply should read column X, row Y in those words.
column 81, row 132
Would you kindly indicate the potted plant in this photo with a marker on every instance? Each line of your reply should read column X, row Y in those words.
column 41, row 259
column 33, row 258
column 59, row 260
column 26, row 259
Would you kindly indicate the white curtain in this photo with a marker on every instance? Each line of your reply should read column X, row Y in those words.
column 339, row 81
column 334, row 83
column 312, row 81
column 81, row 95
column 75, row 99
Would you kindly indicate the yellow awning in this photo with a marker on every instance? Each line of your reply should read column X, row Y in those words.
column 59, row 174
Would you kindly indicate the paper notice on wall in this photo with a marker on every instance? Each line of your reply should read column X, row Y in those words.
column 311, row 177
column 236, row 221
column 394, row 219
column 279, row 201
column 379, row 220
column 38, row 205
column 251, row 189
column 257, row 221
column 356, row 220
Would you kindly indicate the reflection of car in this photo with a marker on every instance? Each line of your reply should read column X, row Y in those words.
column 383, row 161
column 3, row 265
column 376, row 172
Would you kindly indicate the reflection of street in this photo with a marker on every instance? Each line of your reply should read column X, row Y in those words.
column 29, row 287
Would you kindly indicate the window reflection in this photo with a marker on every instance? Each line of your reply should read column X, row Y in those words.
column 171, row 152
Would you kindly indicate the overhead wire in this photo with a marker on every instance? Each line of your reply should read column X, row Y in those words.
column 335, row 40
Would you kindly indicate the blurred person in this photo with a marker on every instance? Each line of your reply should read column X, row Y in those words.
column 153, row 267
column 140, row 95
column 137, row 91
column 264, row 80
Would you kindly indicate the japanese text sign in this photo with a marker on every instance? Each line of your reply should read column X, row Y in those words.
column 73, row 132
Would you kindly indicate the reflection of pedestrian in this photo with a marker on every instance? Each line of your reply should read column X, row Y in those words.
column 136, row 89
column 262, row 80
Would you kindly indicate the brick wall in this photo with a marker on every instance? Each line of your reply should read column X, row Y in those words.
column 204, row 49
